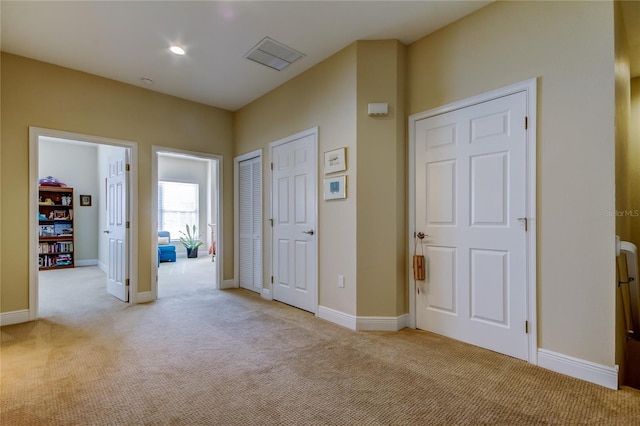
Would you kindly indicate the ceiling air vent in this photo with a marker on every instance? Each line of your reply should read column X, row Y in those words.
column 273, row 54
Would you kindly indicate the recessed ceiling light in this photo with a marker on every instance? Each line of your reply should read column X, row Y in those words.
column 177, row 50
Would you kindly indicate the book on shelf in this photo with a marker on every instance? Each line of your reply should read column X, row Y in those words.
column 63, row 229
column 57, row 247
column 46, row 231
column 63, row 259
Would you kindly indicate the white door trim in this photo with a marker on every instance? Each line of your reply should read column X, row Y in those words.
column 530, row 87
column 155, row 150
column 34, row 136
column 268, row 290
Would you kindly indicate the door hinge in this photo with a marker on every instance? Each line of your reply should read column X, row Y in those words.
column 126, row 282
column 127, row 225
column 271, row 166
column 271, row 279
column 271, row 221
column 526, row 327
column 127, row 167
column 526, row 123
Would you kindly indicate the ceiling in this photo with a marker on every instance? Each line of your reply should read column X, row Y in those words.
column 128, row 41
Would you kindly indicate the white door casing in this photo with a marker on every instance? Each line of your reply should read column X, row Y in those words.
column 117, row 270
column 294, row 192
column 35, row 133
column 471, row 190
column 250, row 223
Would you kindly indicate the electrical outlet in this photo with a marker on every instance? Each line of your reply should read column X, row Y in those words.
column 341, row 281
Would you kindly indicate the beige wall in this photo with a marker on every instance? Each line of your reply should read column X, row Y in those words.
column 364, row 236
column 622, row 99
column 634, row 160
column 324, row 96
column 568, row 46
column 381, row 201
column 43, row 95
column 624, row 349
column 1, row 127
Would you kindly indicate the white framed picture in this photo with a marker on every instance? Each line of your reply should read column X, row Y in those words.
column 335, row 160
column 335, row 188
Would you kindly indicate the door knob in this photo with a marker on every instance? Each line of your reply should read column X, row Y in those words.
column 310, row 232
column 107, row 232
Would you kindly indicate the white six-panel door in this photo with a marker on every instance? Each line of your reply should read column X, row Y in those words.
column 470, row 171
column 294, row 198
column 117, row 272
column 250, row 223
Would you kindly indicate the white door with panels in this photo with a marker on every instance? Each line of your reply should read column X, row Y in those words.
column 471, row 202
column 117, row 227
column 250, row 223
column 294, row 203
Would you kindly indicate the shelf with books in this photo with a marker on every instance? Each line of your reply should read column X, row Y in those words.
column 55, row 228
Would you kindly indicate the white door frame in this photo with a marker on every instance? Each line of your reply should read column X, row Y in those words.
column 34, row 147
column 236, row 215
column 155, row 150
column 530, row 87
column 268, row 291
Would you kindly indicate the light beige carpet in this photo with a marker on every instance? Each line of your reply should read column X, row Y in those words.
column 199, row 356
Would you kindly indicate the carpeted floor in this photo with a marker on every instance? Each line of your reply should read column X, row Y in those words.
column 199, row 356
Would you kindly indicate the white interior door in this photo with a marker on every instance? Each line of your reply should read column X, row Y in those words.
column 471, row 200
column 117, row 273
column 294, row 195
column 250, row 223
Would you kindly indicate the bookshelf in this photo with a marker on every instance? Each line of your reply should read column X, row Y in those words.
column 55, row 228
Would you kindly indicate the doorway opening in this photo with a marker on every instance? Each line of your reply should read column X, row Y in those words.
column 80, row 162
column 186, row 208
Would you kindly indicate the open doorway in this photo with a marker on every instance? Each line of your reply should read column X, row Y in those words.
column 186, row 194
column 79, row 163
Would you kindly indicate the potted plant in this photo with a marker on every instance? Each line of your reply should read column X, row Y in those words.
column 191, row 241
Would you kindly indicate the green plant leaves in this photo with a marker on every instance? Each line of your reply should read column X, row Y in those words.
column 190, row 239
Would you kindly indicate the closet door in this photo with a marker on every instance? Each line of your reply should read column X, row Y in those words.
column 250, row 229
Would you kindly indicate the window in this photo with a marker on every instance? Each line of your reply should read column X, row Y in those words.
column 177, row 206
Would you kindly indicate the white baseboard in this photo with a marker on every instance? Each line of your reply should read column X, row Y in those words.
column 337, row 317
column 266, row 294
column 87, row 262
column 14, row 317
column 227, row 284
column 363, row 323
column 382, row 323
column 144, row 297
column 580, row 369
column 102, row 266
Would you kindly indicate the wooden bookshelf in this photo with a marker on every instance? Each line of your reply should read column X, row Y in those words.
column 55, row 228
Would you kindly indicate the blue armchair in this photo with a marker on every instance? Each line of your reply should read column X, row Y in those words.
column 166, row 250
